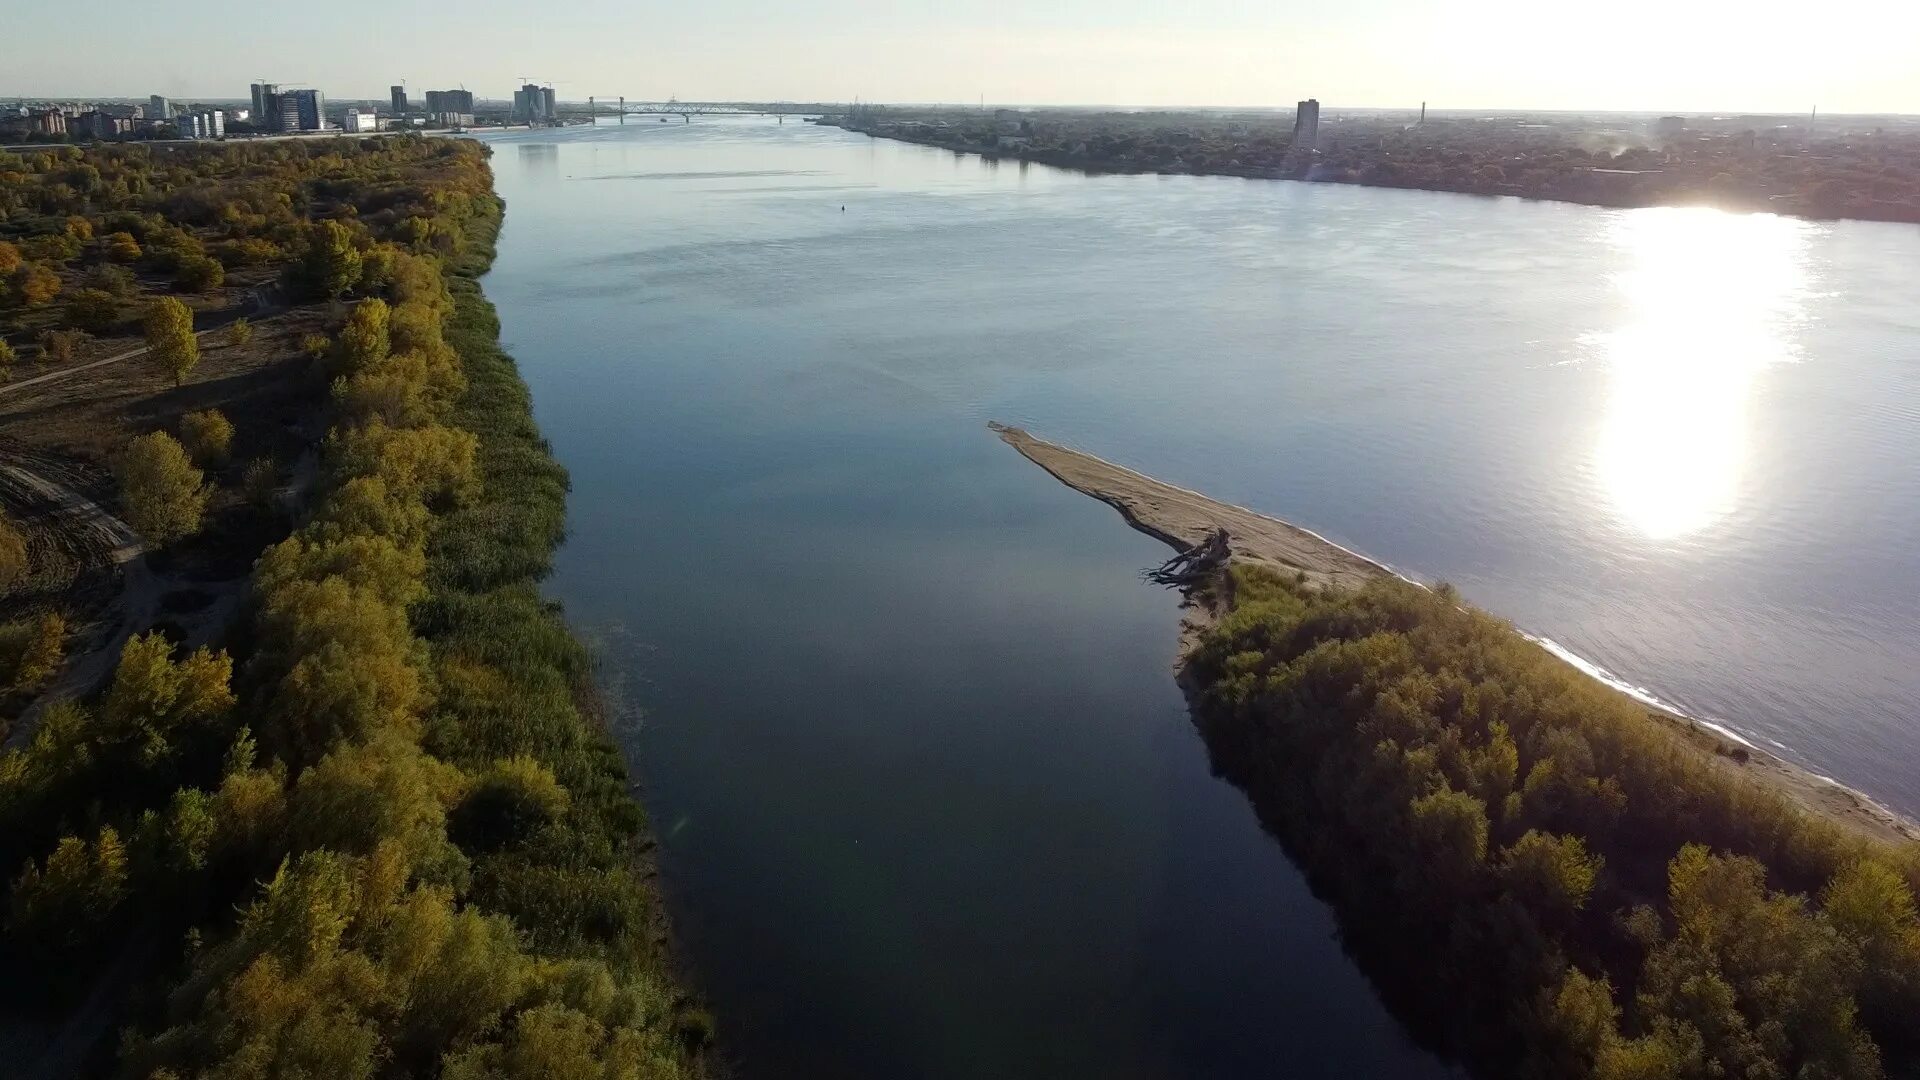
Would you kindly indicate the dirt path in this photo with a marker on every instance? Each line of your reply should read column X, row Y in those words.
column 1183, row 518
column 261, row 308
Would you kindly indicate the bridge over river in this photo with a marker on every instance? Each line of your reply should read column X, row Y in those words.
column 687, row 110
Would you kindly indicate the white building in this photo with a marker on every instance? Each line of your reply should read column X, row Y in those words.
column 358, row 121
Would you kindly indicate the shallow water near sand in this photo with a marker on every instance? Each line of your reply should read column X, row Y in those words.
column 928, row 800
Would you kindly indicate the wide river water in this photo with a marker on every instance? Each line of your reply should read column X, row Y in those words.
column 928, row 800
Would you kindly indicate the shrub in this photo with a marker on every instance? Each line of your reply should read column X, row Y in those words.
column 239, row 332
column 93, row 310
column 197, row 273
column 259, row 481
column 162, row 493
column 113, row 280
column 208, row 436
column 13, row 551
column 59, row 346
column 31, row 652
column 35, row 284
column 123, row 248
column 7, row 358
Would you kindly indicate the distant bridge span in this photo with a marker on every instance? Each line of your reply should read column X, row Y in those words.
column 687, row 110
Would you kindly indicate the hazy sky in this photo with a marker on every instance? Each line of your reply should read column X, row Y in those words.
column 1683, row 55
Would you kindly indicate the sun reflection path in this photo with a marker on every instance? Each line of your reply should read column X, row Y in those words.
column 1712, row 299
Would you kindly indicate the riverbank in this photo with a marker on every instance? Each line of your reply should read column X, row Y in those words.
column 1558, row 161
column 1182, row 518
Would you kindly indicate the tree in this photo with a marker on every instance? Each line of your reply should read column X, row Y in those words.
column 332, row 263
column 152, row 696
column 170, row 341
column 40, row 658
column 200, row 274
column 7, row 358
column 94, row 310
column 123, row 248
column 365, row 340
column 9, row 259
column 13, row 552
column 162, row 493
column 207, row 435
column 35, row 284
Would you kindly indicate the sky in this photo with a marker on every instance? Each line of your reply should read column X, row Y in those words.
column 1640, row 55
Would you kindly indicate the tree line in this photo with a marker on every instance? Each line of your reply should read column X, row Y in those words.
column 390, row 838
column 1543, row 879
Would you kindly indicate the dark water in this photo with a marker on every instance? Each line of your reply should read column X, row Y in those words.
column 929, row 801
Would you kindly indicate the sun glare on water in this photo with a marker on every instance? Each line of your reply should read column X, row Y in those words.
column 1712, row 299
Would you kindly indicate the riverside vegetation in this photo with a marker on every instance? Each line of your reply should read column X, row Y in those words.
column 381, row 836
column 1544, row 880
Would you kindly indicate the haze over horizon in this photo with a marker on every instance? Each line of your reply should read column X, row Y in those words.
column 1684, row 56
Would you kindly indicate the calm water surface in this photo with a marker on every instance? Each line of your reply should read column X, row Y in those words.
column 929, row 802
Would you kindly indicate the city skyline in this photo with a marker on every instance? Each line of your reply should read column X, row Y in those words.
column 1643, row 57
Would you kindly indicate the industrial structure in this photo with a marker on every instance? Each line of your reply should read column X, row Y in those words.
column 1306, row 126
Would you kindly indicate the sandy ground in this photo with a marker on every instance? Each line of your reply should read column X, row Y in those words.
column 1182, row 518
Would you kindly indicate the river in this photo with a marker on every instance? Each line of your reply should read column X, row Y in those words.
column 928, row 801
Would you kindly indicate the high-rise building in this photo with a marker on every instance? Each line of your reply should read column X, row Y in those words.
column 450, row 101
column 302, row 110
column 1306, row 126
column 264, row 111
column 158, row 108
column 533, row 104
column 399, row 100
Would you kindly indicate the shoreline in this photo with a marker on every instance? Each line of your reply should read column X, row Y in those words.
column 1180, row 518
column 1091, row 167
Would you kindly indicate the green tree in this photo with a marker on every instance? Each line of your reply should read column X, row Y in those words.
column 93, row 310
column 41, row 658
column 170, row 341
column 208, row 436
column 162, row 492
column 332, row 261
column 199, row 274
column 364, row 340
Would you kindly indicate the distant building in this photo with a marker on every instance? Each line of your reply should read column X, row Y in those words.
column 358, row 122
column 450, row 101
column 399, row 100
column 1670, row 127
column 296, row 110
column 533, row 104
column 1306, row 125
column 158, row 107
column 264, row 111
column 94, row 124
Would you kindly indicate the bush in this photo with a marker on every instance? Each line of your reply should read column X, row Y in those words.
column 35, row 285
column 123, row 248
column 260, row 481
column 93, row 310
column 59, row 346
column 7, row 358
column 208, row 436
column 239, row 332
column 161, row 493
column 199, row 274
column 13, row 552
column 112, row 280
column 31, row 651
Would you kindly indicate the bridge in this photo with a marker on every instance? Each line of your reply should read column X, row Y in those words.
column 687, row 110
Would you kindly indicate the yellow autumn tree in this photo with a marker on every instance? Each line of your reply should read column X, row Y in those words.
column 170, row 342
column 163, row 495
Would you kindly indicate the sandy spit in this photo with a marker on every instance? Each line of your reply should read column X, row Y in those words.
column 1181, row 518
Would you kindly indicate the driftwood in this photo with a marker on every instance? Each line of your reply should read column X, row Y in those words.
column 1192, row 565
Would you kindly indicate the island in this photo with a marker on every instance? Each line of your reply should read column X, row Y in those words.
column 1544, row 876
